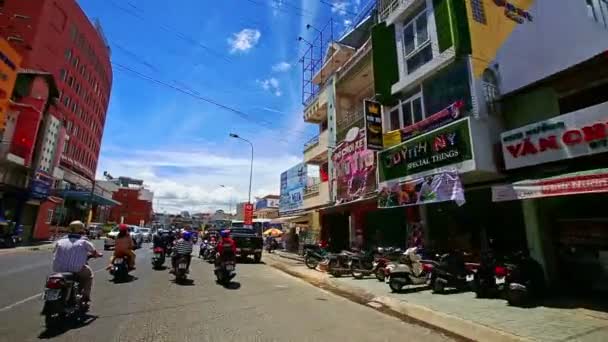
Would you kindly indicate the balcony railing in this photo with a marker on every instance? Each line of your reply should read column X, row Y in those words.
column 311, row 190
column 386, row 7
column 314, row 141
column 348, row 120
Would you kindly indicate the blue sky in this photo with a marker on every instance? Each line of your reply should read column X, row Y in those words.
column 239, row 53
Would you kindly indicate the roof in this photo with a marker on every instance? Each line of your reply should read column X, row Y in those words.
column 272, row 197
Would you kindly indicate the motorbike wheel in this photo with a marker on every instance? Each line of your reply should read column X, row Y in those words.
column 356, row 274
column 517, row 298
column 395, row 285
column 380, row 274
column 53, row 322
column 311, row 262
column 437, row 285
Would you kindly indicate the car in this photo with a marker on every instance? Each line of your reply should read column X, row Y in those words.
column 146, row 234
column 134, row 231
column 94, row 231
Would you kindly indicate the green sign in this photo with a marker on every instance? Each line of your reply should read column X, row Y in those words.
column 448, row 145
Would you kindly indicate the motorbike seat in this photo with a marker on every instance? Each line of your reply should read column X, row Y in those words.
column 69, row 276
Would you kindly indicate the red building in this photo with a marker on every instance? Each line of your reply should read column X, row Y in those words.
column 57, row 37
column 135, row 206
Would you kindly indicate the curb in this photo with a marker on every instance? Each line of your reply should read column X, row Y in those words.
column 449, row 324
column 290, row 257
column 21, row 249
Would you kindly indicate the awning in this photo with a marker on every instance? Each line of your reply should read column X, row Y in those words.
column 296, row 218
column 373, row 200
column 592, row 181
column 86, row 196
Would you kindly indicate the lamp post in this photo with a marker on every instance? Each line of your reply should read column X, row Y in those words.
column 229, row 199
column 236, row 136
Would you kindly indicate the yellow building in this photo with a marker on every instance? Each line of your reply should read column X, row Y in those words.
column 9, row 65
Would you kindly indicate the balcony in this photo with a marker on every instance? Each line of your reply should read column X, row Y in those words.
column 316, row 111
column 315, row 150
column 316, row 195
column 396, row 10
column 346, row 121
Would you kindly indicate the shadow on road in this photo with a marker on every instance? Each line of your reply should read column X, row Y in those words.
column 184, row 282
column 81, row 322
column 233, row 285
column 130, row 278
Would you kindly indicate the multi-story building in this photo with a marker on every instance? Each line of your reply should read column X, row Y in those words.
column 57, row 37
column 135, row 201
column 267, row 207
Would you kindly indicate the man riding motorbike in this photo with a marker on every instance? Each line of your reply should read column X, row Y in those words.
column 123, row 247
column 71, row 255
column 183, row 247
column 226, row 247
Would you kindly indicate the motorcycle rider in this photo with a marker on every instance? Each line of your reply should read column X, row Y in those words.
column 123, row 247
column 226, row 248
column 71, row 254
column 183, row 247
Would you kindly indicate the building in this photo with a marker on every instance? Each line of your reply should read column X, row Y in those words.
column 135, row 201
column 58, row 38
column 267, row 207
column 240, row 211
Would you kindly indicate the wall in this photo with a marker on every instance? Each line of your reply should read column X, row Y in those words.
column 532, row 106
column 8, row 68
column 131, row 208
column 42, row 229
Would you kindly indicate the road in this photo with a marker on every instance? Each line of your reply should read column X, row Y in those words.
column 263, row 305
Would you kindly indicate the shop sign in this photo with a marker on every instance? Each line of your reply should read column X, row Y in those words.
column 9, row 64
column 440, row 187
column 513, row 12
column 446, row 115
column 293, row 182
column 580, row 133
column 445, row 146
column 248, row 214
column 40, row 185
column 372, row 111
column 569, row 184
column 355, row 167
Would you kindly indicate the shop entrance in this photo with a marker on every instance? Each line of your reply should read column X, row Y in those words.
column 385, row 228
column 336, row 231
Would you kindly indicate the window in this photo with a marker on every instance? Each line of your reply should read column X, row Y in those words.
column 70, row 81
column 68, row 54
column 407, row 112
column 416, row 42
column 490, row 90
column 598, row 11
column 63, row 74
column 479, row 13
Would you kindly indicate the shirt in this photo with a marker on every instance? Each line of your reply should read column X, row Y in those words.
column 71, row 253
column 123, row 244
column 183, row 247
column 226, row 243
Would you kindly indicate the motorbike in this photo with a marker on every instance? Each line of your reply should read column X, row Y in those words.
column 226, row 271
column 338, row 264
column 489, row 280
column 181, row 272
column 210, row 253
column 203, row 247
column 411, row 270
column 525, row 280
column 313, row 256
column 119, row 269
column 450, row 272
column 363, row 264
column 387, row 257
column 272, row 245
column 158, row 258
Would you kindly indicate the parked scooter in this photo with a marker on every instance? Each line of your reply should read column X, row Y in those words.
column 158, row 258
column 363, row 264
column 450, row 272
column 489, row 280
column 314, row 255
column 389, row 255
column 525, row 281
column 410, row 271
column 338, row 264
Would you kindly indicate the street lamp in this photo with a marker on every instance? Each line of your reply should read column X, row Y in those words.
column 229, row 200
column 236, row 136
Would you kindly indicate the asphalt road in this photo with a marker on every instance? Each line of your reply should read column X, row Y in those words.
column 263, row 304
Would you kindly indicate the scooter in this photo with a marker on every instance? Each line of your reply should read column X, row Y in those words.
column 525, row 281
column 203, row 248
column 489, row 280
column 181, row 272
column 120, row 270
column 313, row 256
column 158, row 258
column 411, row 271
column 338, row 264
column 362, row 265
column 225, row 272
column 389, row 255
column 450, row 272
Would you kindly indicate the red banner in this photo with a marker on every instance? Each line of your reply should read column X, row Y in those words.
column 248, row 214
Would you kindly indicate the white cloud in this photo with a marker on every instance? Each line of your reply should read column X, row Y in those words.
column 340, row 7
column 347, row 22
column 272, row 85
column 281, row 67
column 244, row 40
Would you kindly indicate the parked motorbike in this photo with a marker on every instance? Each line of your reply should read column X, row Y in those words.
column 450, row 272
column 388, row 256
column 525, row 281
column 338, row 264
column 489, row 280
column 181, row 272
column 313, row 256
column 158, row 258
column 362, row 264
column 411, row 270
column 119, row 269
column 272, row 245
column 225, row 272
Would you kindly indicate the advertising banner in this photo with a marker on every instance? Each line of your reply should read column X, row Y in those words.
column 569, row 184
column 9, row 64
column 372, row 111
column 441, row 187
column 293, row 182
column 567, row 136
column 442, row 147
column 248, row 214
column 355, row 167
column 40, row 185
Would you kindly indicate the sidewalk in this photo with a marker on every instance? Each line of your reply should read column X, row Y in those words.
column 37, row 246
column 461, row 313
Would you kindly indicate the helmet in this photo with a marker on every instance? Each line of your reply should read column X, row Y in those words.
column 225, row 233
column 186, row 236
column 76, row 226
column 123, row 228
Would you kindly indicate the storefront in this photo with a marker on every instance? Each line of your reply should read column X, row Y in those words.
column 562, row 191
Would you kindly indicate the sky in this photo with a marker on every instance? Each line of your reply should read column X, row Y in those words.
column 243, row 54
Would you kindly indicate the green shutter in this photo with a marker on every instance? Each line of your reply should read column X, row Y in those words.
column 462, row 34
column 442, row 21
column 449, row 85
column 384, row 53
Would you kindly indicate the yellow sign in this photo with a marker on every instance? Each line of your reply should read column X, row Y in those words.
column 391, row 138
column 10, row 61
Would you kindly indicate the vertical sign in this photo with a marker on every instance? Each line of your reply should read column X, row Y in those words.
column 248, row 214
column 372, row 111
column 9, row 64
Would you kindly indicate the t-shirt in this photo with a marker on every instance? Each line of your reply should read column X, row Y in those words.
column 183, row 247
column 71, row 253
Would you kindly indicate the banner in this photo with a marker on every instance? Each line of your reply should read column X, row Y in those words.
column 355, row 168
column 580, row 133
column 569, row 184
column 293, row 182
column 9, row 64
column 40, row 185
column 372, row 111
column 442, row 147
column 441, row 187
column 248, row 214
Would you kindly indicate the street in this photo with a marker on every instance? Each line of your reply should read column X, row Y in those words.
column 263, row 304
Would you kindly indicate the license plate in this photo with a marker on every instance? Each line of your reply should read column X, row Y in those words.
column 118, row 261
column 229, row 267
column 51, row 294
column 500, row 281
column 470, row 278
column 182, row 266
column 157, row 255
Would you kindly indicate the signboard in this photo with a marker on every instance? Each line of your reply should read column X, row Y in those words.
column 9, row 64
column 40, row 185
column 248, row 214
column 372, row 112
column 263, row 203
column 446, row 115
column 441, row 187
column 442, row 147
column 580, row 133
column 293, row 182
column 355, row 167
column 569, row 184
